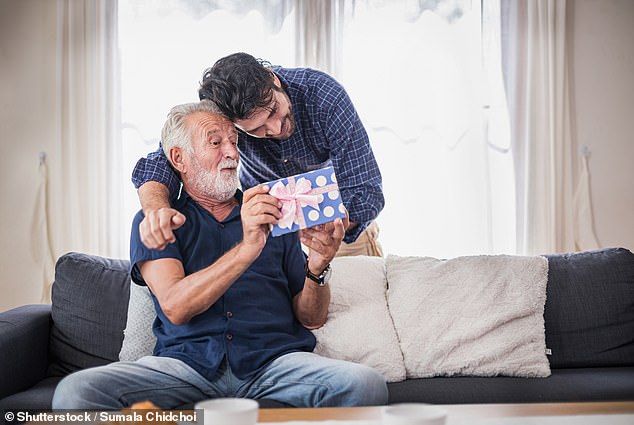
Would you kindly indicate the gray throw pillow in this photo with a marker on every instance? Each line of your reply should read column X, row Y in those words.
column 89, row 306
column 589, row 312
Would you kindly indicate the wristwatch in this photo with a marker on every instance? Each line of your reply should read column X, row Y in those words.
column 321, row 279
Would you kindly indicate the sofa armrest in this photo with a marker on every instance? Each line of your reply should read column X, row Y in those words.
column 24, row 336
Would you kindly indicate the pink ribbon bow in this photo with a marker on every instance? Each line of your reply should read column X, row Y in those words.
column 293, row 197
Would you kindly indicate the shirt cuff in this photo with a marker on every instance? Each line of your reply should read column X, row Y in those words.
column 354, row 233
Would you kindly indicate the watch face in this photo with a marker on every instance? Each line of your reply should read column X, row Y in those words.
column 327, row 273
column 325, row 276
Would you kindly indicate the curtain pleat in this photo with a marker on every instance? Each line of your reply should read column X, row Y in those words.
column 85, row 176
column 319, row 25
column 537, row 86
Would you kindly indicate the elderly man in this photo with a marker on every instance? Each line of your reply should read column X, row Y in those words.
column 234, row 306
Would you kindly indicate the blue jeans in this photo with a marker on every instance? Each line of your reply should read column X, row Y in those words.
column 299, row 379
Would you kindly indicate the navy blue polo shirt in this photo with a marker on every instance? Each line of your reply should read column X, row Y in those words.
column 253, row 322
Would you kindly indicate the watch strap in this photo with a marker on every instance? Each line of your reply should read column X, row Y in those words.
column 319, row 279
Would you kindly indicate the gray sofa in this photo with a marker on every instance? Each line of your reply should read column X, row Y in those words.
column 588, row 316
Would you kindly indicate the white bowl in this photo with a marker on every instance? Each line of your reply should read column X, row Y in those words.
column 414, row 414
column 229, row 411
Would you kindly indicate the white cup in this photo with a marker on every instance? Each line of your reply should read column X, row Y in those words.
column 413, row 414
column 229, row 411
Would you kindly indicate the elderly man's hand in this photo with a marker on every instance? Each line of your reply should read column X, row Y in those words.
column 157, row 228
column 259, row 211
column 323, row 242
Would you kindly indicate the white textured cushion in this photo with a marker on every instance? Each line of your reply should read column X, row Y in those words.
column 138, row 338
column 478, row 315
column 359, row 326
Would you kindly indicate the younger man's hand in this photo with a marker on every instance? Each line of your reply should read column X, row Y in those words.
column 323, row 242
column 157, row 228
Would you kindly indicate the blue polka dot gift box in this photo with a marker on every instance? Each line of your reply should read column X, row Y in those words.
column 308, row 199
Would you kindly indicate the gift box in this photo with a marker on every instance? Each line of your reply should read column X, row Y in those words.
column 308, row 199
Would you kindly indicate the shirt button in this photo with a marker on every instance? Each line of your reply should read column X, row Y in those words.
column 229, row 315
column 229, row 337
column 285, row 160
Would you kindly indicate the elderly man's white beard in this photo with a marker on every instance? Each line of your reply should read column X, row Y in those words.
column 219, row 185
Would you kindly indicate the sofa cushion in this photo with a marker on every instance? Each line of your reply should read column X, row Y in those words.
column 38, row 397
column 478, row 315
column 564, row 385
column 589, row 311
column 90, row 301
column 359, row 326
column 24, row 334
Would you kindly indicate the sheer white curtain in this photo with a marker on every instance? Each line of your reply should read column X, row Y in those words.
column 78, row 202
column 161, row 68
column 431, row 105
column 414, row 70
column 84, row 204
column 537, row 83
column 319, row 28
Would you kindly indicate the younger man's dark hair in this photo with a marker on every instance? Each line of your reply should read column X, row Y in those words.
column 238, row 84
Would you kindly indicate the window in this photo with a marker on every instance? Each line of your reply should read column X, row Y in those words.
column 161, row 68
column 426, row 80
column 423, row 74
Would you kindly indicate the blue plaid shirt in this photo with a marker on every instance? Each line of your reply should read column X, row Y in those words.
column 328, row 132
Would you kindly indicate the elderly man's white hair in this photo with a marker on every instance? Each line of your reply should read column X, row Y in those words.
column 175, row 131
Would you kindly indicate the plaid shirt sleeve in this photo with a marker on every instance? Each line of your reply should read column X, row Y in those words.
column 356, row 168
column 156, row 167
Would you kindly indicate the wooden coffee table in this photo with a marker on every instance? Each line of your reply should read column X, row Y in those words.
column 472, row 411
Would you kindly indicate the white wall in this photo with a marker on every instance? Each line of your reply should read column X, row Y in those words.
column 602, row 40
column 27, row 126
column 603, row 89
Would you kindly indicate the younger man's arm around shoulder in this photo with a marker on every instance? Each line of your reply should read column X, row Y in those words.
column 311, row 304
